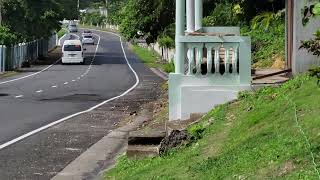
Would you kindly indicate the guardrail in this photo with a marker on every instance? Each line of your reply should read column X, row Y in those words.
column 12, row 57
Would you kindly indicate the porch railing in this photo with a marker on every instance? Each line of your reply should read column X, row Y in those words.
column 218, row 57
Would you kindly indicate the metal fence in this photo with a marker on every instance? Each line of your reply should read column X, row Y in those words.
column 13, row 57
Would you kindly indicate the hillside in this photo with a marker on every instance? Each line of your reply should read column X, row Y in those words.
column 272, row 133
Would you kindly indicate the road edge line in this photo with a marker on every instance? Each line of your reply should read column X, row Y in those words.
column 9, row 143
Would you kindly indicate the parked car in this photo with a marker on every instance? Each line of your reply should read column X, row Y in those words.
column 87, row 39
column 72, row 51
column 72, row 28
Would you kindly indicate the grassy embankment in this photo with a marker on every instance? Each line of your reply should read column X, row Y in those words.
column 62, row 32
column 152, row 59
column 273, row 133
column 268, row 45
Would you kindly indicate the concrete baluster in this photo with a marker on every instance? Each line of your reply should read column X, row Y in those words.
column 217, row 59
column 235, row 59
column 226, row 58
column 191, row 60
column 209, row 57
column 199, row 58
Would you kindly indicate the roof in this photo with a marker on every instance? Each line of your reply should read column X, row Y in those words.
column 73, row 42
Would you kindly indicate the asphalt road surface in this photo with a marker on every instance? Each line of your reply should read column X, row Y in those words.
column 30, row 103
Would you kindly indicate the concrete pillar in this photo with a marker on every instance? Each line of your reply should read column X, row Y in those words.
column 198, row 14
column 190, row 15
column 180, row 31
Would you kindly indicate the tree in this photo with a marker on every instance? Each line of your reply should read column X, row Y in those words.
column 148, row 17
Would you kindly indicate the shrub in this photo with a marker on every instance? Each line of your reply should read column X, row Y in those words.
column 222, row 15
column 6, row 36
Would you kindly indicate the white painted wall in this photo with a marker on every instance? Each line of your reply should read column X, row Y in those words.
column 302, row 60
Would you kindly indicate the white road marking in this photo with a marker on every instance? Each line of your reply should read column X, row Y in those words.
column 79, row 78
column 30, row 75
column 55, row 86
column 20, row 96
column 39, row 91
column 73, row 80
column 66, row 83
column 59, row 41
column 2, row 146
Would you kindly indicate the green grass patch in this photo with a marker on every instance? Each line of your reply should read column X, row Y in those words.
column 152, row 59
column 62, row 32
column 8, row 74
column 254, row 138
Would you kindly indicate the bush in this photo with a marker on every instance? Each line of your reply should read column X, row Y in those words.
column 222, row 15
column 169, row 67
column 94, row 18
column 266, row 43
column 6, row 36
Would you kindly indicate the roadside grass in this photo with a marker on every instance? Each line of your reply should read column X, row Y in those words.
column 62, row 32
column 256, row 137
column 152, row 59
column 8, row 74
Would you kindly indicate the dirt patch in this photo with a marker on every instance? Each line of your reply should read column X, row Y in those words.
column 278, row 63
column 286, row 168
column 176, row 139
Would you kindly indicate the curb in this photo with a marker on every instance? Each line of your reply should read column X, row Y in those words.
column 160, row 73
column 92, row 163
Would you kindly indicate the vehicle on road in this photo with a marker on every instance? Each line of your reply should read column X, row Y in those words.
column 87, row 32
column 73, row 52
column 72, row 28
column 87, row 39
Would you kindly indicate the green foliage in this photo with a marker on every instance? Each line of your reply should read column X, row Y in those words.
column 149, row 18
column 222, row 15
column 152, row 59
column 6, row 37
column 266, row 43
column 114, row 11
column 266, row 19
column 315, row 72
column 169, row 67
column 254, row 138
column 312, row 45
column 166, row 42
column 316, row 9
column 30, row 19
column 62, row 32
column 95, row 18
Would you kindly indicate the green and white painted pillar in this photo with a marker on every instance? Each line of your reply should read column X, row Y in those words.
column 198, row 14
column 190, row 16
column 180, row 31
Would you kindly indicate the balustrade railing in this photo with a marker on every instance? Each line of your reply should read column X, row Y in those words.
column 218, row 56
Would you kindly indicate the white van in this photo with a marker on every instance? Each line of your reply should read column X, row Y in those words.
column 72, row 51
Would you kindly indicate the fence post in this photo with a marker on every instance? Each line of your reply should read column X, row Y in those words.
column 1, row 58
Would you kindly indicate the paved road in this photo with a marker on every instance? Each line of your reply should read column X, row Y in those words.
column 30, row 103
column 47, row 97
